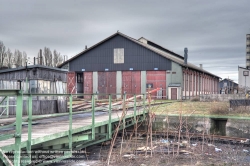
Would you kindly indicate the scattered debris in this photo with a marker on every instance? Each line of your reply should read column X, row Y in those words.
column 129, row 156
column 244, row 150
column 194, row 144
column 242, row 141
column 143, row 148
column 164, row 141
column 218, row 150
column 211, row 145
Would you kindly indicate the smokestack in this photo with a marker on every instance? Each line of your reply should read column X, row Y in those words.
column 34, row 60
column 41, row 57
column 185, row 55
column 86, row 47
column 201, row 66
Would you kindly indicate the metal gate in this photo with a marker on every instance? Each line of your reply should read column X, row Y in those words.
column 71, row 82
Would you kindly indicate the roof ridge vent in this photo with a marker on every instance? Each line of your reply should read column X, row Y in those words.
column 143, row 40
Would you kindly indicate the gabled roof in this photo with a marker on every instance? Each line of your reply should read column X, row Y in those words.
column 160, row 47
column 165, row 53
column 227, row 79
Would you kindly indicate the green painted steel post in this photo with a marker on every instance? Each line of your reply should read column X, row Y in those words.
column 29, row 129
column 7, row 107
column 26, row 88
column 144, row 98
column 124, row 109
column 134, row 108
column 19, row 112
column 93, row 116
column 110, row 123
column 70, row 122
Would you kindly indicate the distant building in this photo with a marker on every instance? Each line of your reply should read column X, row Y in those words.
column 243, row 79
column 228, row 86
column 248, row 51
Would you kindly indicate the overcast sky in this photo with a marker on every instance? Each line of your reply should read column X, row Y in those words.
column 213, row 31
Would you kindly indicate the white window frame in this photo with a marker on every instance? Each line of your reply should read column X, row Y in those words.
column 118, row 55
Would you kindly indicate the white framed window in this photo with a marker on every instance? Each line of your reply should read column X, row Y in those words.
column 118, row 55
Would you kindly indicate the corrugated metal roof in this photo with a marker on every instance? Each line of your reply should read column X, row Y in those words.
column 154, row 49
column 149, row 42
column 31, row 67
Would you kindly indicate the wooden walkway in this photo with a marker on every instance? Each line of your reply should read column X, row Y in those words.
column 60, row 125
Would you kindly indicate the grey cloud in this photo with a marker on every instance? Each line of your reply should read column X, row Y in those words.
column 214, row 31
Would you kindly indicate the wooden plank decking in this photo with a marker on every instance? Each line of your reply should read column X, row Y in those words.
column 56, row 125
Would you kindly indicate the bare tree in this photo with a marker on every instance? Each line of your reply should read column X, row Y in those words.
column 18, row 57
column 9, row 59
column 47, row 57
column 58, row 59
column 24, row 58
column 2, row 53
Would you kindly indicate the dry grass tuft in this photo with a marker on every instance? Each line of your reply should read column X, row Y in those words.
column 195, row 99
column 222, row 109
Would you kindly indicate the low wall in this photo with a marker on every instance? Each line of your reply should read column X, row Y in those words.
column 221, row 97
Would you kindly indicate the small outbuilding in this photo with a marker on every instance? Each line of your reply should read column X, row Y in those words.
column 228, row 86
column 37, row 79
column 243, row 79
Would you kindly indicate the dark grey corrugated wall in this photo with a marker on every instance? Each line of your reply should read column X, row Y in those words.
column 135, row 56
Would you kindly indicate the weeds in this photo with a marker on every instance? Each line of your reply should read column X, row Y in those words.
column 222, row 109
column 182, row 148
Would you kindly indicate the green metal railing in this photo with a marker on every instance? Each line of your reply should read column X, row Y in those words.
column 16, row 148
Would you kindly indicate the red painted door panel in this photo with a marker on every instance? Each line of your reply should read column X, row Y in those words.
column 88, row 84
column 173, row 93
column 106, row 84
column 102, row 84
column 111, row 83
column 158, row 80
column 71, row 82
column 131, row 82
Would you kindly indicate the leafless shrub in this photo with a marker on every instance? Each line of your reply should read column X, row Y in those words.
column 177, row 150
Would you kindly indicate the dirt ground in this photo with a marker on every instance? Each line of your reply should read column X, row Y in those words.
column 136, row 152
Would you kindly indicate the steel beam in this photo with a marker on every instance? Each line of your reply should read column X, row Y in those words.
column 65, row 140
column 6, row 136
column 135, row 108
column 9, row 92
column 93, row 117
column 70, row 123
column 109, row 124
column 144, row 106
column 29, row 129
column 19, row 113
